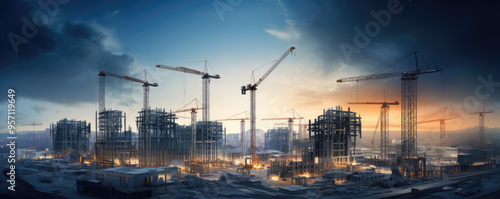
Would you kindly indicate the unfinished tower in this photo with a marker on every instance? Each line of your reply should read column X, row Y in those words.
column 157, row 138
column 70, row 134
column 334, row 136
column 113, row 146
column 209, row 140
column 184, row 141
column 277, row 139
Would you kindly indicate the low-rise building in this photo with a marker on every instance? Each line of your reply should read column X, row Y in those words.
column 129, row 182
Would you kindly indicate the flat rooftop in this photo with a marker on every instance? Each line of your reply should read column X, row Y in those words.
column 137, row 170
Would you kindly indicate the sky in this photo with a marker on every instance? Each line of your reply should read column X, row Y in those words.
column 51, row 54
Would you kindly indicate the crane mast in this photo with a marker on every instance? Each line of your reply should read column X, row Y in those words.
column 481, row 114
column 408, row 114
column 290, row 130
column 102, row 83
column 242, row 134
column 193, row 110
column 384, row 125
column 253, row 89
column 442, row 122
column 205, row 87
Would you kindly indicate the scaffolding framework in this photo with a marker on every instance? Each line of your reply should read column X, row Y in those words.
column 113, row 145
column 277, row 139
column 184, row 141
column 209, row 141
column 409, row 116
column 157, row 138
column 70, row 134
column 334, row 134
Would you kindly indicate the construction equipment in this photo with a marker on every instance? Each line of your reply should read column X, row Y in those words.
column 242, row 135
column 193, row 126
column 206, row 85
column 384, row 124
column 290, row 130
column 441, row 122
column 34, row 139
column 253, row 89
column 411, row 163
column 408, row 103
column 482, row 112
column 145, row 85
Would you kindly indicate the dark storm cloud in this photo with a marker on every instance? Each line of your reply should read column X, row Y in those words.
column 61, row 62
column 462, row 37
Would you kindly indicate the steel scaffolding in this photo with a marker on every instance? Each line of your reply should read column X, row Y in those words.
column 157, row 138
column 68, row 134
column 184, row 141
column 113, row 146
column 209, row 141
column 334, row 133
column 277, row 139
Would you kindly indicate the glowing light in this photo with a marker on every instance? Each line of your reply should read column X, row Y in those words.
column 237, row 162
column 117, row 162
column 307, row 175
column 275, row 178
column 257, row 166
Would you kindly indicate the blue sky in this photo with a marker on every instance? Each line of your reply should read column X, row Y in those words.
column 55, row 73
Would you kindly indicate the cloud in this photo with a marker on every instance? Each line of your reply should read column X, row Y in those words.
column 443, row 36
column 115, row 12
column 38, row 109
column 289, row 33
column 61, row 62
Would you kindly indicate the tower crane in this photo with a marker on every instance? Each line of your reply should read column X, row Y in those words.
column 33, row 124
column 242, row 133
column 384, row 124
column 206, row 85
column 253, row 89
column 193, row 110
column 410, row 160
column 482, row 112
column 145, row 85
column 441, row 122
column 408, row 103
column 290, row 129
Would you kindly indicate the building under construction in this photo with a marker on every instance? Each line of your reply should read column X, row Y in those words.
column 157, row 138
column 70, row 134
column 277, row 139
column 334, row 134
column 113, row 146
column 184, row 141
column 331, row 144
column 209, row 141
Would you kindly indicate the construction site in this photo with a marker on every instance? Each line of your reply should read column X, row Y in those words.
column 317, row 157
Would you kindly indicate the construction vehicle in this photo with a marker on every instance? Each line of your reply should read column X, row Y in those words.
column 253, row 89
